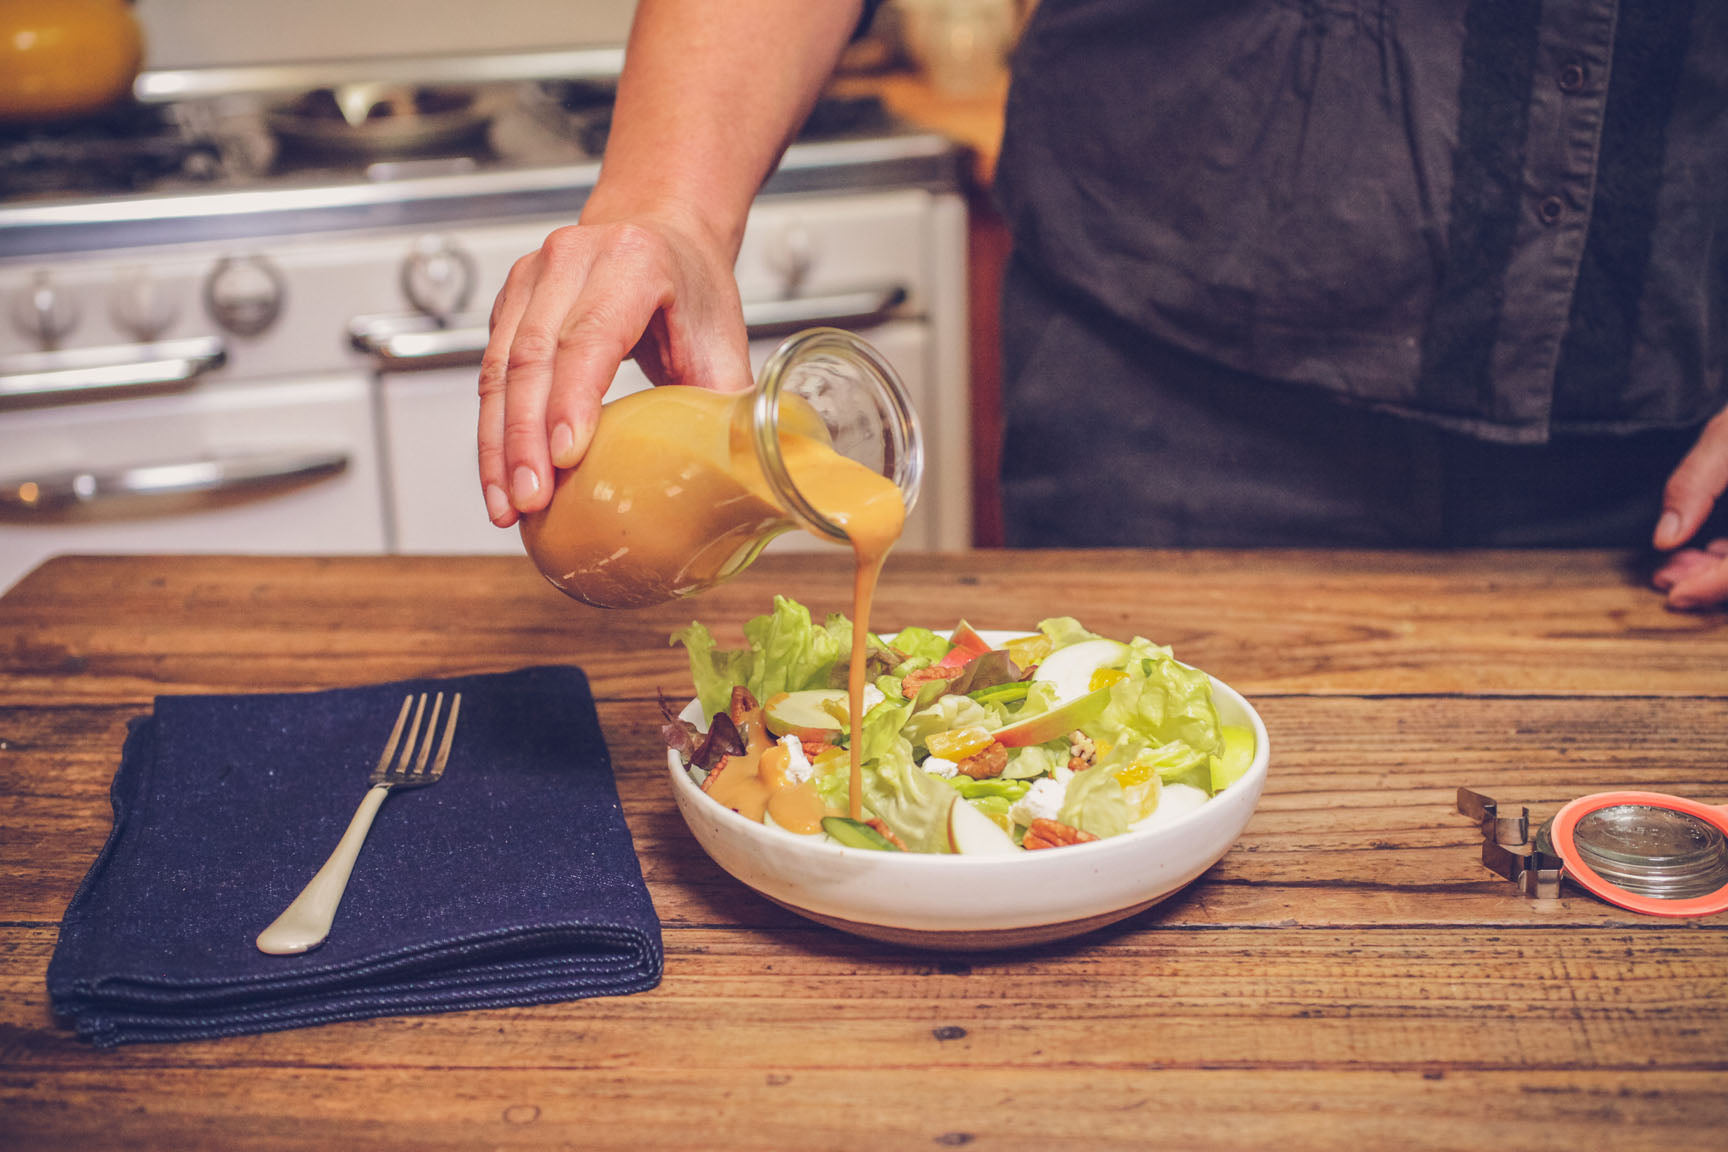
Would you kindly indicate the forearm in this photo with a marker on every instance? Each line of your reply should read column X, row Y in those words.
column 711, row 94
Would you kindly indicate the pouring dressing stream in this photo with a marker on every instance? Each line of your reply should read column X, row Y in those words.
column 682, row 488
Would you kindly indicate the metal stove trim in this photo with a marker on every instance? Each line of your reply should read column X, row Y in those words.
column 159, row 86
column 913, row 159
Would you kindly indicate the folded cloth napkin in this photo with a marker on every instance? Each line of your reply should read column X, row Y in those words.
column 512, row 881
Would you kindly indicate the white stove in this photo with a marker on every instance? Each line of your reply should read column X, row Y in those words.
column 281, row 357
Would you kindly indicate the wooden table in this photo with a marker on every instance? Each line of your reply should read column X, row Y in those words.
column 1348, row 977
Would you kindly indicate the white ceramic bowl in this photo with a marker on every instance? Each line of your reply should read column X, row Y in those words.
column 980, row 902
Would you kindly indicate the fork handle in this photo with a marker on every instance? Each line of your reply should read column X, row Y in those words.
column 305, row 923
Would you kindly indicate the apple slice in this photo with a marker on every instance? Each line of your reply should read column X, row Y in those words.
column 1059, row 721
column 814, row 715
column 1071, row 668
column 971, row 833
column 967, row 647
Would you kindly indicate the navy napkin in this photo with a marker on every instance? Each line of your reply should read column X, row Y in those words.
column 511, row 881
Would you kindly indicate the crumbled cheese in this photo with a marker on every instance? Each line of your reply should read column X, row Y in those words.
column 937, row 766
column 1043, row 801
column 872, row 696
column 798, row 766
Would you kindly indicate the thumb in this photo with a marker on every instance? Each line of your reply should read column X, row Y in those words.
column 1691, row 492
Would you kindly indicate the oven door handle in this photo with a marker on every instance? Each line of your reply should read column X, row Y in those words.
column 865, row 308
column 410, row 343
column 154, row 488
column 38, row 378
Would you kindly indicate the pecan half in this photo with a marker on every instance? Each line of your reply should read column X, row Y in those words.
column 1051, row 834
column 985, row 764
column 714, row 774
column 916, row 679
column 887, row 833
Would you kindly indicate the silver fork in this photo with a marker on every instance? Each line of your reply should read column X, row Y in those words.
column 305, row 923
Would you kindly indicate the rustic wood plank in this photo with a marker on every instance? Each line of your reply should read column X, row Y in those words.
column 896, row 1107
column 1349, row 973
column 1292, row 998
column 1318, row 622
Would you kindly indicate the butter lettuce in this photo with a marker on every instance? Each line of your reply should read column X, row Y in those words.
column 1065, row 630
column 922, row 645
column 785, row 651
column 908, row 799
column 1164, row 701
column 1095, row 803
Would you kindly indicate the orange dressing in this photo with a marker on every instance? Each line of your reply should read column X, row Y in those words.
column 671, row 499
column 758, row 781
column 869, row 507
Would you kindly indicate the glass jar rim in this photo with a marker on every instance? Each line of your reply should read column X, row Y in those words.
column 903, row 442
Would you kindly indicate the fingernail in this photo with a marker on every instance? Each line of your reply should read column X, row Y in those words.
column 497, row 504
column 1667, row 529
column 563, row 446
column 525, row 483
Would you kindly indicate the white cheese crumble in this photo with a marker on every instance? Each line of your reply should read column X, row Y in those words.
column 1043, row 801
column 872, row 697
column 798, row 766
column 938, row 766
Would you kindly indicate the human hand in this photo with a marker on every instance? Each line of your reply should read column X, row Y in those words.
column 1695, row 577
column 592, row 296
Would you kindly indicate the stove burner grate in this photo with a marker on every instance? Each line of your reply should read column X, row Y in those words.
column 128, row 149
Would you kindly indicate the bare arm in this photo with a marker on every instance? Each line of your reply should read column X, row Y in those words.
column 711, row 94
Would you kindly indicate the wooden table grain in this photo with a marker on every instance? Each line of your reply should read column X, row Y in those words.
column 1348, row 976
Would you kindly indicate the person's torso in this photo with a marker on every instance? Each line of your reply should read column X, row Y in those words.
column 1440, row 207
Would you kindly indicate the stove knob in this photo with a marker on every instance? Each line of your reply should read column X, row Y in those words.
column 244, row 294
column 142, row 307
column 438, row 277
column 791, row 252
column 45, row 312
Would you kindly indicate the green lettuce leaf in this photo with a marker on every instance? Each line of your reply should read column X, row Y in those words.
column 785, row 652
column 1065, row 630
column 1164, row 701
column 789, row 653
column 713, row 670
column 922, row 644
column 908, row 799
column 1036, row 760
column 1095, row 803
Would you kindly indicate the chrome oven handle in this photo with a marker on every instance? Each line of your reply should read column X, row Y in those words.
column 38, row 378
column 411, row 343
column 862, row 309
column 147, row 489
column 407, row 343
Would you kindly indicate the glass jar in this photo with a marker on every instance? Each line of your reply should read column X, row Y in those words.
column 681, row 488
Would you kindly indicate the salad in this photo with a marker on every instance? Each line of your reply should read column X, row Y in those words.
column 1043, row 740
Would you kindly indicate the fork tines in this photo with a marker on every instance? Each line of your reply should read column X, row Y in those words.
column 406, row 768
